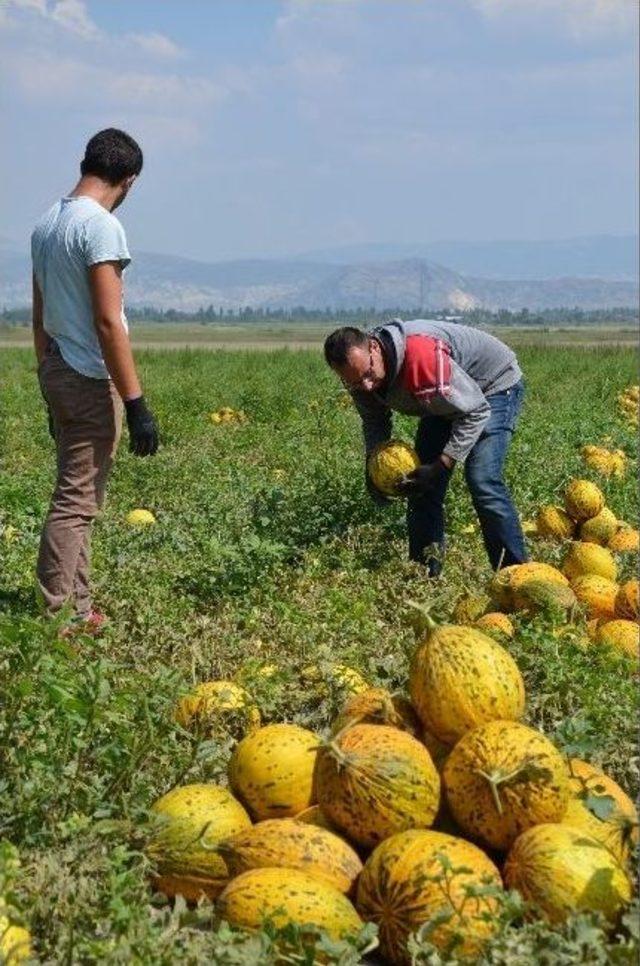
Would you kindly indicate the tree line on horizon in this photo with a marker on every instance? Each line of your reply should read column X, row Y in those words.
column 616, row 315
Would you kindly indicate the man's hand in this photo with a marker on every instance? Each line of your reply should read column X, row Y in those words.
column 422, row 479
column 378, row 498
column 143, row 431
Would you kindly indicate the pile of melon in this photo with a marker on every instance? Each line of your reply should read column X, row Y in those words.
column 412, row 812
column 628, row 403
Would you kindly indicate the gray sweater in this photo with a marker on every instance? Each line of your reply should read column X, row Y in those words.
column 438, row 368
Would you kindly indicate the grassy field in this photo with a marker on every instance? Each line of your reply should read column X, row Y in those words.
column 299, row 336
column 267, row 549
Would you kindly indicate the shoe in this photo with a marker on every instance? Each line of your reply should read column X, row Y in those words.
column 92, row 625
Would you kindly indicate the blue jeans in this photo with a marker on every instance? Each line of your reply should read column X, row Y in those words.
column 483, row 469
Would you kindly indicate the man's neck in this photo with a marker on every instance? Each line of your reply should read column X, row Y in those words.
column 101, row 191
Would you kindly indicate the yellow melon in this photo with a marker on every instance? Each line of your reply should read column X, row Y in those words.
column 599, row 529
column 583, row 500
column 598, row 458
column 15, row 943
column 501, row 779
column 469, row 607
column 627, row 604
column 339, row 677
column 601, row 809
column 496, row 624
column 378, row 706
column 596, row 594
column 140, row 518
column 561, row 871
column 625, row 540
column 290, row 844
column 418, row 877
column 460, row 678
column 622, row 636
column 544, row 596
column 373, row 780
column 287, row 897
column 554, row 523
column 215, row 703
column 388, row 463
column 193, row 819
column 589, row 558
column 618, row 463
column 271, row 770
column 505, row 583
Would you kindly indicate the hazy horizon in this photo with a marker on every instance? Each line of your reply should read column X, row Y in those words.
column 276, row 128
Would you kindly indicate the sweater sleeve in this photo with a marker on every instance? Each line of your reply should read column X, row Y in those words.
column 376, row 419
column 467, row 407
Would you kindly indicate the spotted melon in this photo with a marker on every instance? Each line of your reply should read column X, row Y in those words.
column 378, row 706
column 469, row 607
column 501, row 779
column 291, row 844
column 460, row 678
column 388, row 463
column 287, row 897
column 373, row 780
column 561, row 871
column 583, row 500
column 589, row 558
column 554, row 523
column 599, row 529
column 620, row 635
column 601, row 809
column 544, row 596
column 496, row 624
column 597, row 595
column 506, row 582
column 215, row 703
column 625, row 540
column 422, row 877
column 271, row 770
column 627, row 605
column 192, row 820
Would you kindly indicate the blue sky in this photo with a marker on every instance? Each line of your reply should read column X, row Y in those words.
column 272, row 128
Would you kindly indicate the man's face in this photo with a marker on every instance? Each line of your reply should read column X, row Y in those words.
column 125, row 187
column 364, row 369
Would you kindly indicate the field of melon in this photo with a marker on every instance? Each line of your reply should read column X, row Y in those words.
column 267, row 565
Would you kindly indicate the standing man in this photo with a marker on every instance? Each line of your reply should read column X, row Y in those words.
column 85, row 365
column 466, row 387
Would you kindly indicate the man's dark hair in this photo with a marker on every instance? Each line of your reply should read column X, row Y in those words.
column 112, row 155
column 338, row 345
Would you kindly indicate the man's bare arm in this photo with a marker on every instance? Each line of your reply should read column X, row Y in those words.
column 40, row 337
column 105, row 281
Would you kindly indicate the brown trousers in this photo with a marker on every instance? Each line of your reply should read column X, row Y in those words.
column 87, row 418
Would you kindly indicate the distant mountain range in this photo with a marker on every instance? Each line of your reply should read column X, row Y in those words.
column 593, row 256
column 590, row 274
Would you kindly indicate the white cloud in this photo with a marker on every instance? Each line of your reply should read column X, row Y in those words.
column 581, row 18
column 157, row 45
column 73, row 16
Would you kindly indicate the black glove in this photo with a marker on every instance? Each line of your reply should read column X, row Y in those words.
column 143, row 432
column 52, row 428
column 422, row 479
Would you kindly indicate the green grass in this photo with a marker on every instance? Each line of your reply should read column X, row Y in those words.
column 300, row 335
column 266, row 550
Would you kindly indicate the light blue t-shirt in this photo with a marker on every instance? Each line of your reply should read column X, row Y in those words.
column 74, row 234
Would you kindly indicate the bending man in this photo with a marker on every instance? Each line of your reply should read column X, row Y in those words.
column 466, row 387
column 85, row 365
